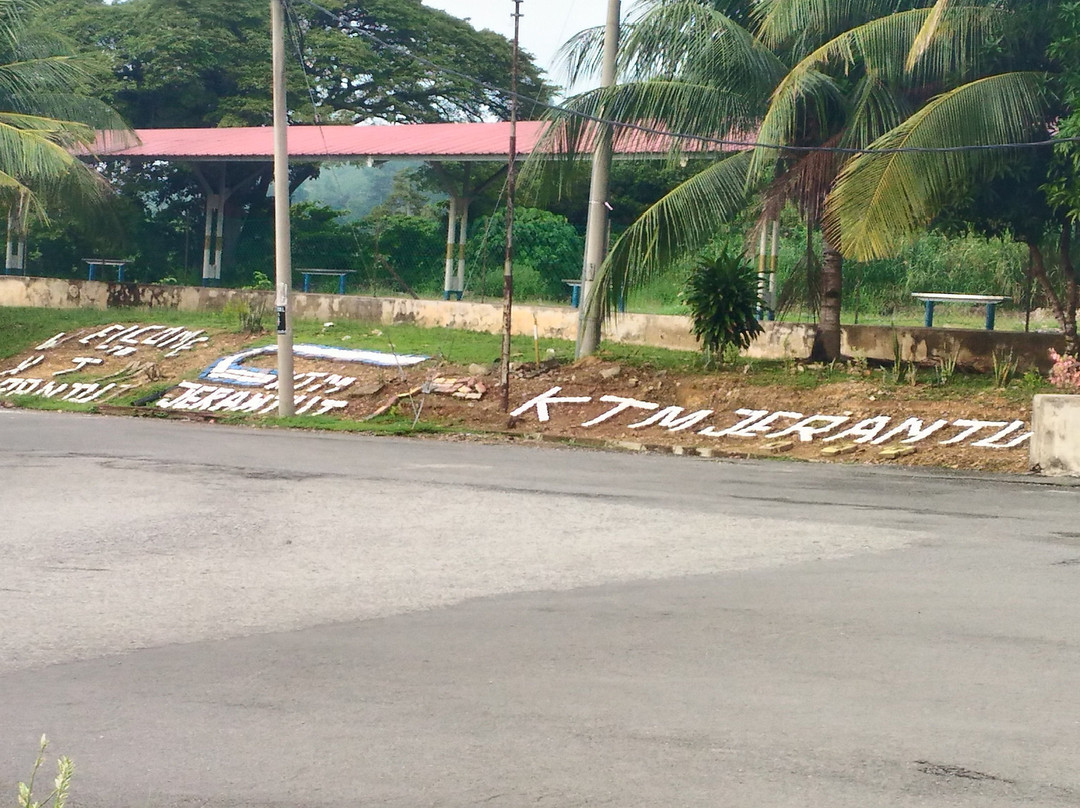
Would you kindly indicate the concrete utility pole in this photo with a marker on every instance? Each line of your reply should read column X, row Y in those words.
column 596, row 229
column 282, row 234
column 508, row 263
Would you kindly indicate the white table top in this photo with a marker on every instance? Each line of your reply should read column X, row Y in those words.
column 953, row 298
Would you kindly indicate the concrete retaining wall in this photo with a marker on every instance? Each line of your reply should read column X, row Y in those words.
column 1055, row 439
column 780, row 340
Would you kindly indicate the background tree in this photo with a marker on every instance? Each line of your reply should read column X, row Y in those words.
column 46, row 116
column 199, row 63
column 800, row 75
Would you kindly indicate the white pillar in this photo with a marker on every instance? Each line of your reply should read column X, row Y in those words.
column 15, row 261
column 463, row 232
column 451, row 233
column 215, row 216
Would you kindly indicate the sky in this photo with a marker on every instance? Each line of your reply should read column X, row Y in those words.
column 545, row 24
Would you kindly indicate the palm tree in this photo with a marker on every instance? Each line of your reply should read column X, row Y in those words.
column 46, row 121
column 817, row 82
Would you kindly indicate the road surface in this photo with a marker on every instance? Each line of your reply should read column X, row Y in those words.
column 204, row 615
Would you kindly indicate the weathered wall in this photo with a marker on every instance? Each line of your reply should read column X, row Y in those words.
column 780, row 340
column 974, row 348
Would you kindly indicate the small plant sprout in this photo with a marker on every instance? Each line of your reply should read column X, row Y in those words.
column 58, row 797
column 1005, row 365
column 945, row 368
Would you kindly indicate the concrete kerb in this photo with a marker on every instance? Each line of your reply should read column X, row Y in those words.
column 1055, row 440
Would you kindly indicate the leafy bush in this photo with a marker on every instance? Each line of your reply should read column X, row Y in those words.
column 1065, row 373
column 722, row 295
column 545, row 242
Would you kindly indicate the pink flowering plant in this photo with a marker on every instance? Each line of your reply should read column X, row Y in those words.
column 1065, row 373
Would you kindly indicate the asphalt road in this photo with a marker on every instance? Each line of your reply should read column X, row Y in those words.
column 201, row 615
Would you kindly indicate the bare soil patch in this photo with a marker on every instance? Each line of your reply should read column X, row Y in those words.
column 426, row 393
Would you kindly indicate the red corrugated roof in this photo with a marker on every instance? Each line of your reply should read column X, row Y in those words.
column 427, row 141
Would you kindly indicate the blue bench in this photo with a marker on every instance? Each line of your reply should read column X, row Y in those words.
column 930, row 298
column 93, row 263
column 340, row 273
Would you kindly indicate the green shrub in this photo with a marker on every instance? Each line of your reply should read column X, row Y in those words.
column 722, row 295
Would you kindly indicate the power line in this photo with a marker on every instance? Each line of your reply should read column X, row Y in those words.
column 705, row 139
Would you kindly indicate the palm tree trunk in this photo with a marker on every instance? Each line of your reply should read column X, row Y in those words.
column 1064, row 309
column 827, row 344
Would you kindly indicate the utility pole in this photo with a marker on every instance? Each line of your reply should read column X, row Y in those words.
column 596, row 228
column 282, row 234
column 511, row 175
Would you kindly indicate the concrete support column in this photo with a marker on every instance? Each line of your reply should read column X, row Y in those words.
column 212, row 242
column 451, row 238
column 15, row 260
column 463, row 232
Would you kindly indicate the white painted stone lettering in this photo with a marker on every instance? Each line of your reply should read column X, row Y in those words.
column 215, row 395
column 109, row 329
column 26, row 364
column 170, row 402
column 764, row 425
column 133, row 338
column 124, row 331
column 52, row 389
column 672, row 419
column 913, row 428
column 26, row 387
column 749, row 417
column 994, row 441
column 257, row 401
column 621, row 406
column 541, row 402
column 329, row 404
column 273, row 405
column 232, row 401
column 78, row 390
column 51, row 342
column 806, row 430
column 865, row 430
column 80, row 362
column 972, row 426
column 167, row 334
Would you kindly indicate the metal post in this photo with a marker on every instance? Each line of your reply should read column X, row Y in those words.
column 596, row 228
column 774, row 254
column 508, row 262
column 282, row 234
column 761, row 269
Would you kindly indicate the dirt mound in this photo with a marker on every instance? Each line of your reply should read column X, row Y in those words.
column 591, row 402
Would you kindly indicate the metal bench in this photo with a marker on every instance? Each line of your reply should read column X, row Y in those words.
column 340, row 273
column 93, row 263
column 575, row 294
column 930, row 298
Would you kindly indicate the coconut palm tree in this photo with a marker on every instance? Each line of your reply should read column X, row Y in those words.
column 47, row 120
column 817, row 82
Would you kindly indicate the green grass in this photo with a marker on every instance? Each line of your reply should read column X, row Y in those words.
column 22, row 328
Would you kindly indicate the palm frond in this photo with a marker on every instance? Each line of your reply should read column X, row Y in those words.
column 926, row 33
column 812, row 22
column 678, row 225
column 697, row 43
column 879, row 48
column 580, row 56
column 879, row 200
